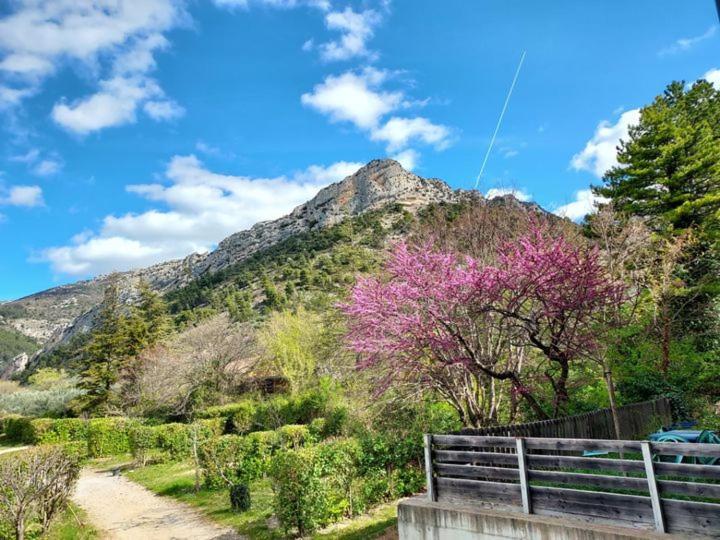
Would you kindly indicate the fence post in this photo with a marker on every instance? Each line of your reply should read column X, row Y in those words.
column 430, row 480
column 522, row 471
column 652, row 486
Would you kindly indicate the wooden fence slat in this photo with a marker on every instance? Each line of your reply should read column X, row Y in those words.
column 691, row 489
column 523, row 475
column 653, row 488
column 686, row 449
column 429, row 480
column 476, row 472
column 687, row 470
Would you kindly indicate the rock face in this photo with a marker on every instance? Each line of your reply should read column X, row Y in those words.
column 377, row 184
column 55, row 315
column 16, row 365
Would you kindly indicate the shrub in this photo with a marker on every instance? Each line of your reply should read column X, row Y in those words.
column 36, row 484
column 59, row 430
column 53, row 402
column 142, row 440
column 211, row 427
column 242, row 420
column 219, row 458
column 300, row 498
column 108, row 436
column 338, row 461
column 293, row 436
column 174, row 439
column 18, row 429
column 240, row 498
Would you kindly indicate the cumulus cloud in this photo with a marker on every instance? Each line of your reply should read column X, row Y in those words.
column 600, row 152
column 196, row 208
column 407, row 158
column 519, row 194
column 356, row 28
column 282, row 4
column 713, row 77
column 685, row 44
column 354, row 97
column 358, row 98
column 27, row 196
column 585, row 203
column 47, row 167
column 116, row 38
column 398, row 132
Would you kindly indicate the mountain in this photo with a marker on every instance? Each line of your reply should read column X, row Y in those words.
column 53, row 316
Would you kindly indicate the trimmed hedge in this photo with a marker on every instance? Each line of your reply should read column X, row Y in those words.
column 108, row 436
column 18, row 429
column 60, row 430
column 247, row 416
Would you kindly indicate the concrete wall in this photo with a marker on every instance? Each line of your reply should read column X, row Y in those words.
column 420, row 519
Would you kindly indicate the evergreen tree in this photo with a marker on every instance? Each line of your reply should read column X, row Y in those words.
column 239, row 305
column 669, row 168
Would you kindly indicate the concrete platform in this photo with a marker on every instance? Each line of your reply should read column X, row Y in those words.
column 420, row 519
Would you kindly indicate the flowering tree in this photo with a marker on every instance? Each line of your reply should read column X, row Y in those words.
column 461, row 328
column 557, row 293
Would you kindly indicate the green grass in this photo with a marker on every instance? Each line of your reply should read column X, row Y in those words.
column 176, row 480
column 71, row 525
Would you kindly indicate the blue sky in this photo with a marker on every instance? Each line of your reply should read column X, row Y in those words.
column 138, row 131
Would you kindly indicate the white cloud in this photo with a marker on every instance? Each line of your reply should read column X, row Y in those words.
column 27, row 196
column 196, row 209
column 47, row 167
column 713, row 77
column 281, row 4
column 685, row 44
column 358, row 97
column 116, row 39
column 600, row 152
column 398, row 132
column 163, row 110
column 519, row 194
column 114, row 105
column 38, row 165
column 407, row 158
column 585, row 203
column 356, row 27
column 354, row 97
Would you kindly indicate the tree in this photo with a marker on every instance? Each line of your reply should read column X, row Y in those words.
column 239, row 306
column 669, row 168
column 293, row 342
column 459, row 327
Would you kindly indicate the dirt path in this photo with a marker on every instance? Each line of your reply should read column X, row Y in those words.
column 122, row 509
column 13, row 449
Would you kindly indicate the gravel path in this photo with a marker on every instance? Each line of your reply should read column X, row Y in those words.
column 122, row 509
column 12, row 449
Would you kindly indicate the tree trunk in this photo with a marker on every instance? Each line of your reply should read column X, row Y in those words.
column 665, row 339
column 607, row 372
column 20, row 527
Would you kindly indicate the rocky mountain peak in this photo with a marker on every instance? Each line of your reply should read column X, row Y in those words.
column 380, row 182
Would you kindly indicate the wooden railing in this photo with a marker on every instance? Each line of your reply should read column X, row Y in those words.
column 636, row 421
column 631, row 486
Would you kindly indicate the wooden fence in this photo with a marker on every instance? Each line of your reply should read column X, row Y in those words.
column 636, row 422
column 644, row 488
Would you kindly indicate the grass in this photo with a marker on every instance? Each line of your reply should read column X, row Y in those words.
column 176, row 480
column 71, row 525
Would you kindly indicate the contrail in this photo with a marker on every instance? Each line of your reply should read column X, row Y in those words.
column 502, row 114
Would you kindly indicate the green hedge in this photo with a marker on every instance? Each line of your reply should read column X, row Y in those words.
column 250, row 415
column 59, row 430
column 18, row 429
column 316, row 485
column 108, row 436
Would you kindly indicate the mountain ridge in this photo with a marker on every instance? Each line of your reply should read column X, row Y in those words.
column 54, row 315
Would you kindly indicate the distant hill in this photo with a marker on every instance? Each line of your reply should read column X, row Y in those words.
column 321, row 244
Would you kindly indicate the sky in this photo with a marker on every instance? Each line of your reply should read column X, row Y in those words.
column 137, row 131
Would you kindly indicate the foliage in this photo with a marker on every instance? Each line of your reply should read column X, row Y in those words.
column 240, row 498
column 459, row 327
column 300, row 494
column 59, row 430
column 293, row 341
column 53, row 402
column 49, row 379
column 18, row 429
column 36, row 485
column 108, row 436
column 117, row 338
